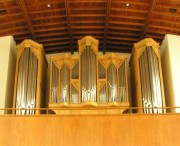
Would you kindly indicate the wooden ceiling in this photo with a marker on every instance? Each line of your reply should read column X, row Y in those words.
column 117, row 24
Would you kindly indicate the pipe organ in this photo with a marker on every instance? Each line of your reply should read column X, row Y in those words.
column 147, row 83
column 30, row 78
column 88, row 80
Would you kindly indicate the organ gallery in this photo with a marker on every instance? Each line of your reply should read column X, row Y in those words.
column 88, row 82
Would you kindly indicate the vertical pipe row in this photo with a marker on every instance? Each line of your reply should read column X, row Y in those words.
column 150, row 81
column 88, row 75
column 122, row 83
column 55, row 79
column 31, row 85
column 65, row 83
column 112, row 83
column 27, row 80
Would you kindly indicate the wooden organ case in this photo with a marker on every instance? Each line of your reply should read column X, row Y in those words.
column 146, row 76
column 88, row 83
column 30, row 77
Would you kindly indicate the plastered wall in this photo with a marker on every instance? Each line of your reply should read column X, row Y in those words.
column 7, row 71
column 170, row 56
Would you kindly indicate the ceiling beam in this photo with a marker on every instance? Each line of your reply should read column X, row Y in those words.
column 26, row 16
column 69, row 25
column 151, row 9
column 106, row 25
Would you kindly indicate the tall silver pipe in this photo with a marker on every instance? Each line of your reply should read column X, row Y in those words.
column 150, row 81
column 31, row 84
column 122, row 83
column 112, row 83
column 88, row 75
column 55, row 79
column 65, row 83
column 26, row 86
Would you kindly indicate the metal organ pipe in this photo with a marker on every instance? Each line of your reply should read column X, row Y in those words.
column 26, row 82
column 112, row 83
column 88, row 75
column 55, row 79
column 64, row 83
column 150, row 81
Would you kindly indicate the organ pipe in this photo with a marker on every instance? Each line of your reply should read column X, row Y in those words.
column 88, row 77
column 147, row 77
column 31, row 62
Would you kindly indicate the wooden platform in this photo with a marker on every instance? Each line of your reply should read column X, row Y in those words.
column 81, row 130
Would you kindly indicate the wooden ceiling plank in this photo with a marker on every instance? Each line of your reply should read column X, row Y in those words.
column 48, row 17
column 47, row 11
column 87, row 32
column 124, row 28
column 12, row 15
column 124, row 33
column 151, row 10
column 51, row 34
column 87, row 1
column 87, row 22
column 175, row 15
column 87, row 27
column 45, row 40
column 25, row 13
column 15, row 33
column 50, row 29
column 88, row 15
column 48, row 24
column 45, row 2
column 128, row 17
column 108, row 3
column 13, row 22
column 87, row 8
column 123, row 38
column 128, row 10
column 131, row 2
column 14, row 28
column 165, row 27
column 69, row 25
column 26, row 16
column 120, row 42
column 127, row 23
column 57, row 43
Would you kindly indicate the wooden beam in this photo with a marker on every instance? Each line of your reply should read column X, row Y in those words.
column 128, row 17
column 13, row 22
column 26, row 16
column 45, row 40
column 88, row 15
column 126, row 23
column 51, row 34
column 106, row 25
column 47, row 11
column 129, row 10
column 15, row 33
column 151, row 10
column 69, row 25
column 123, row 38
column 48, row 24
column 87, row 27
column 48, row 17
column 55, row 44
column 124, row 28
column 50, row 29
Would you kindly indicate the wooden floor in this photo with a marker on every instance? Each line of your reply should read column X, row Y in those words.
column 115, row 130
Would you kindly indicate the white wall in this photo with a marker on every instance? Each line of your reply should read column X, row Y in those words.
column 170, row 55
column 7, row 71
